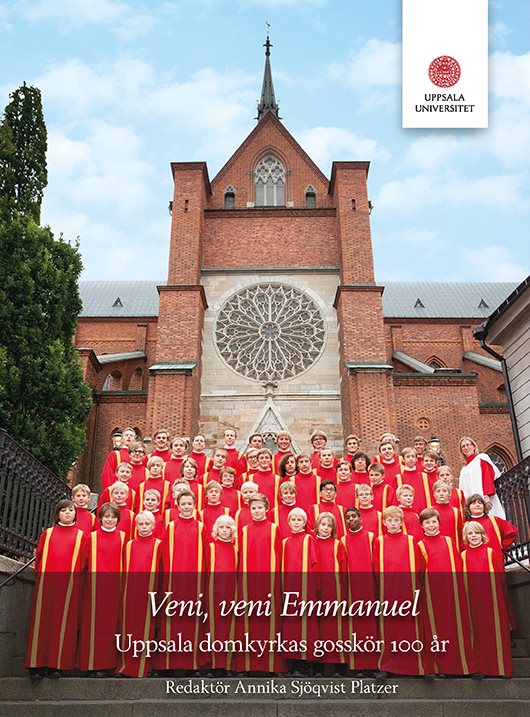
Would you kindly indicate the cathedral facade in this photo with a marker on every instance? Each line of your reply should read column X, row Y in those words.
column 270, row 318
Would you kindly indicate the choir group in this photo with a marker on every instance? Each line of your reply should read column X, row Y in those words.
column 266, row 564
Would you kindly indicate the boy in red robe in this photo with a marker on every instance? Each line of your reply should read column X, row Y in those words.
column 352, row 445
column 85, row 519
column 398, row 564
column 188, row 472
column 345, row 484
column 173, row 467
column 117, row 456
column 231, row 497
column 326, row 469
column 118, row 493
column 123, row 475
column 243, row 516
column 411, row 521
column 137, row 461
column 450, row 521
column 390, row 461
column 213, row 507
column 156, row 481
column 280, row 514
column 267, row 480
column 259, row 579
column 199, row 456
column 162, row 450
column 284, row 443
column 410, row 475
column 360, row 464
column 447, row 614
column 420, row 446
column 299, row 565
column 233, row 456
column 101, row 597
column 457, row 498
column 431, row 461
column 55, row 617
column 141, row 577
column 217, row 463
column 383, row 494
column 501, row 534
column 328, row 504
column 358, row 543
column 372, row 518
column 307, row 483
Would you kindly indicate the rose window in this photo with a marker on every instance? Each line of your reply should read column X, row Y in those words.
column 270, row 332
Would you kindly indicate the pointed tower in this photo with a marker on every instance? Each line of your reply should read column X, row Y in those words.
column 267, row 101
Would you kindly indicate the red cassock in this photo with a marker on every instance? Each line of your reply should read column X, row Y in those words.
column 243, row 517
column 202, row 461
column 458, row 500
column 173, row 513
column 299, row 571
column 327, row 473
column 500, row 532
column 307, row 489
column 384, row 495
column 411, row 523
column 315, row 460
column 279, row 516
column 139, row 474
column 197, row 489
column 423, row 497
column 446, row 613
column 101, row 601
column 372, row 520
column 126, row 523
column 182, row 554
column 484, row 578
column 165, row 455
column 398, row 564
column 360, row 477
column 105, row 498
column 85, row 520
column 212, row 474
column 113, row 460
column 209, row 515
column 259, row 574
column 332, row 586
column 450, row 522
column 361, row 587
column 268, row 484
column 161, row 485
column 221, row 561
column 232, row 499
column 55, row 616
column 346, row 493
column 327, row 506
column 233, row 459
column 277, row 458
column 172, row 469
column 392, row 469
column 137, row 621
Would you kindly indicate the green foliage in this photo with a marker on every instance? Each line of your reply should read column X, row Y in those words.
column 44, row 402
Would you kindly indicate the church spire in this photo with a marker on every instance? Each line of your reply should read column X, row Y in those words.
column 267, row 101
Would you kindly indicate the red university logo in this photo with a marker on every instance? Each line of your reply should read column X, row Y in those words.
column 444, row 71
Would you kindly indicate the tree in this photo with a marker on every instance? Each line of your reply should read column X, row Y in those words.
column 44, row 402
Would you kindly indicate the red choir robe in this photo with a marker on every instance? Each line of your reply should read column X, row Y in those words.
column 419, row 464
column 332, row 586
column 126, row 522
column 346, row 493
column 450, row 522
column 446, row 614
column 431, row 475
column 423, row 497
column 161, row 485
column 392, row 469
column 233, row 459
column 172, row 469
column 209, row 515
column 221, row 585
column 327, row 507
column 384, row 496
column 315, row 460
column 478, row 475
column 197, row 489
column 279, row 516
column 130, row 501
column 202, row 461
column 299, row 569
column 101, row 601
column 232, row 499
column 268, row 483
column 140, row 473
column 361, row 587
column 165, row 455
column 500, row 532
column 55, row 616
column 458, row 500
column 484, row 578
column 372, row 520
column 326, row 473
column 182, row 553
column 260, row 552
column 173, row 513
column 398, row 564
column 141, row 567
column 411, row 523
column 113, row 460
column 360, row 477
column 212, row 474
column 307, row 489
column 85, row 520
column 243, row 517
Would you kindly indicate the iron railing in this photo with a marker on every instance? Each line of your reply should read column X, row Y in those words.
column 28, row 494
column 513, row 488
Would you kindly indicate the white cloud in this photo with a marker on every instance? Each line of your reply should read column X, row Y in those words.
column 499, row 32
column 431, row 152
column 415, row 194
column 420, row 238
column 493, row 263
column 376, row 64
column 510, row 76
column 324, row 144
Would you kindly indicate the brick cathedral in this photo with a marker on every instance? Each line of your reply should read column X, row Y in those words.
column 271, row 318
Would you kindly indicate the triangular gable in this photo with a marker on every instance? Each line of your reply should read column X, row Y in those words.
column 254, row 138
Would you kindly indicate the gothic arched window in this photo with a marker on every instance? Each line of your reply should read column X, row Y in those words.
column 230, row 197
column 270, row 183
column 310, row 198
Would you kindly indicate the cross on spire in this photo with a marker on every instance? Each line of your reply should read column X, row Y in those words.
column 267, row 101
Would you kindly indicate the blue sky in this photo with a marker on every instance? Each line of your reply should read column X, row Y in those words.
column 129, row 86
